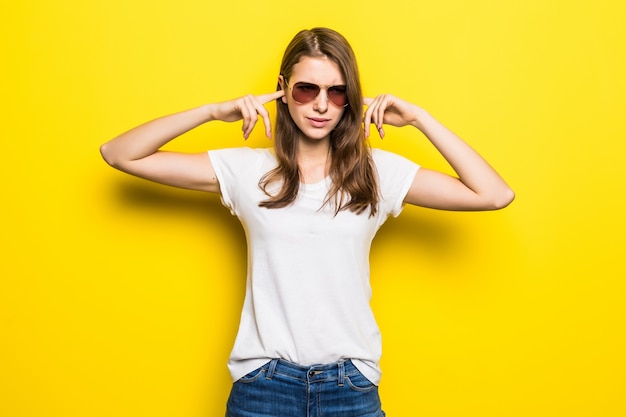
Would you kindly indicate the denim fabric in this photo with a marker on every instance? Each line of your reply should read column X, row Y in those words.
column 283, row 389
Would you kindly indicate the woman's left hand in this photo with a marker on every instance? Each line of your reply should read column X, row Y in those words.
column 390, row 110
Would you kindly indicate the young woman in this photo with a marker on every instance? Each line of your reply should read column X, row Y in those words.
column 308, row 343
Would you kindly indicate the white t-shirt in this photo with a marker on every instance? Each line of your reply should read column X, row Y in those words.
column 308, row 292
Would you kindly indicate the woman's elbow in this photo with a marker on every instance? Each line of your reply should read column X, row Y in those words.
column 503, row 199
column 108, row 155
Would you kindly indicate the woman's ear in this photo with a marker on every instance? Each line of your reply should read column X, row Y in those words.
column 283, row 86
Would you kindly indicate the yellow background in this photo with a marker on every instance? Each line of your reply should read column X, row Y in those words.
column 121, row 298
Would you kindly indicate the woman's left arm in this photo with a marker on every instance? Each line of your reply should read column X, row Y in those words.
column 478, row 186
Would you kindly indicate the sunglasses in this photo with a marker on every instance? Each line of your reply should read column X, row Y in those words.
column 305, row 92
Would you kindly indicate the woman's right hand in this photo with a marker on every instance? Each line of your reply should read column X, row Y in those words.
column 247, row 108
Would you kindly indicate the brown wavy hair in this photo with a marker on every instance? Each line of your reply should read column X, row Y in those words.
column 352, row 172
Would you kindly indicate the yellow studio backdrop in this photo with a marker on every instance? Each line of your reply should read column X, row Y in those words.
column 121, row 298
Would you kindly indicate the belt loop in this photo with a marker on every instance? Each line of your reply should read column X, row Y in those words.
column 271, row 369
column 341, row 374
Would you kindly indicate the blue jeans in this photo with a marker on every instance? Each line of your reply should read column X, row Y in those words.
column 284, row 389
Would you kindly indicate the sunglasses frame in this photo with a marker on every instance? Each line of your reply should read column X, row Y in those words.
column 319, row 87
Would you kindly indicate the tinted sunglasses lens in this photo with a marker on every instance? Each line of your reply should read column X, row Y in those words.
column 337, row 95
column 305, row 92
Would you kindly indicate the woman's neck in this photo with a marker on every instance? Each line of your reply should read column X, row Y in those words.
column 313, row 160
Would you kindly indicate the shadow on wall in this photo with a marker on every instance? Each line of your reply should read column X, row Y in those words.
column 204, row 211
column 425, row 232
column 444, row 245
column 172, row 202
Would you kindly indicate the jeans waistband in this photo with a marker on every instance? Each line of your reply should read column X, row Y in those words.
column 335, row 371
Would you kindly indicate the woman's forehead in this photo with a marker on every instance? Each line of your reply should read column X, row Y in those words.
column 319, row 70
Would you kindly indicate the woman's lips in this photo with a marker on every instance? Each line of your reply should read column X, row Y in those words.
column 318, row 121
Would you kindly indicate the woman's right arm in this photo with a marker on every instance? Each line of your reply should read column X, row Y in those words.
column 137, row 151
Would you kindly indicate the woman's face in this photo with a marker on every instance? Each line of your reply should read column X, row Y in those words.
column 318, row 117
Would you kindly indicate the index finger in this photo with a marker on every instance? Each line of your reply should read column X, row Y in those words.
column 367, row 117
column 266, row 98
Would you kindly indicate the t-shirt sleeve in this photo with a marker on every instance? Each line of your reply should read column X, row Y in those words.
column 395, row 176
column 234, row 170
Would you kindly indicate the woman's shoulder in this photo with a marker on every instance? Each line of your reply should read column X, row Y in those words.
column 383, row 158
column 244, row 156
column 245, row 152
column 242, row 163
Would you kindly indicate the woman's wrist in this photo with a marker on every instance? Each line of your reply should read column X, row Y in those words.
column 208, row 112
column 421, row 118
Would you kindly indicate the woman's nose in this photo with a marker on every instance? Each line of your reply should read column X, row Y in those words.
column 321, row 101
